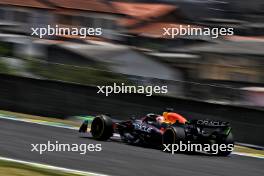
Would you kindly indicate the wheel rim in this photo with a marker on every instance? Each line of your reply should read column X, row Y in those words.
column 97, row 127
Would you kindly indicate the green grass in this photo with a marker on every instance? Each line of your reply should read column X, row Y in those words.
column 69, row 73
column 97, row 76
column 4, row 68
column 8, row 168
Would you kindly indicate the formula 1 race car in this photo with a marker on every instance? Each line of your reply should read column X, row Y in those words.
column 162, row 130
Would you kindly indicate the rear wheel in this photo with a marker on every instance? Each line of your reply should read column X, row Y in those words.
column 102, row 127
column 229, row 142
column 173, row 135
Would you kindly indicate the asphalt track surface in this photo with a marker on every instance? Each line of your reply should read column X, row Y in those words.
column 116, row 158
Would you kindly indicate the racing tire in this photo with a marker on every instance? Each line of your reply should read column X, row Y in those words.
column 228, row 140
column 173, row 135
column 102, row 128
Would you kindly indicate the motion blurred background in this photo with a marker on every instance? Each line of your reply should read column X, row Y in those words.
column 43, row 79
column 132, row 49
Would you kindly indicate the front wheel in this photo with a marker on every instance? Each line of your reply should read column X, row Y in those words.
column 102, row 127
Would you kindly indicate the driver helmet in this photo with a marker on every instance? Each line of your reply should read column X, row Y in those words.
column 160, row 119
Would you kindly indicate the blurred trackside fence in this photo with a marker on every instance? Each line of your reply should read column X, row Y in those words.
column 176, row 88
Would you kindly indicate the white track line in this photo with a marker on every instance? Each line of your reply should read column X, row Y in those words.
column 115, row 135
column 248, row 154
column 49, row 167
